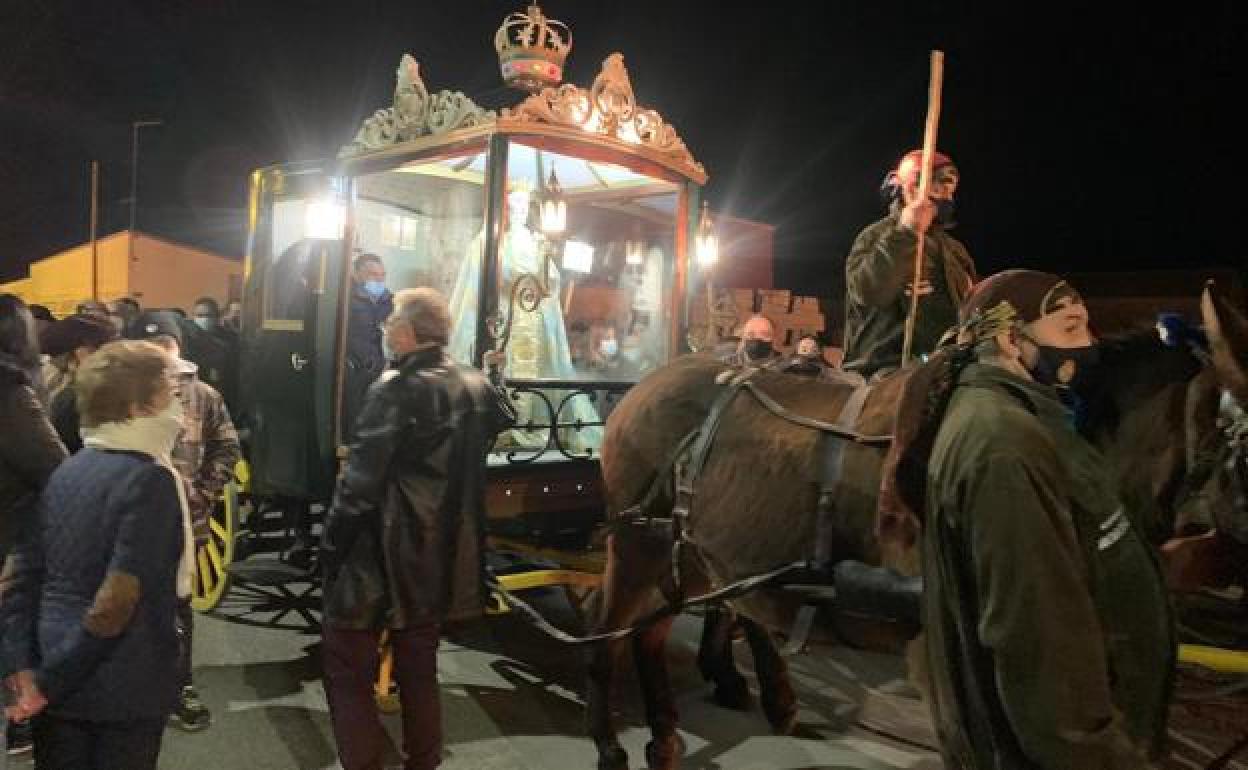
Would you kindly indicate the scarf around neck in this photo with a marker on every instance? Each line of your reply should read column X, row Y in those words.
column 148, row 435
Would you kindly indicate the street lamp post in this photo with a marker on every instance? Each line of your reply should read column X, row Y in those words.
column 134, row 174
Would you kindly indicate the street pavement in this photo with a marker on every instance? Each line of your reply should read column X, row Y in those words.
column 512, row 698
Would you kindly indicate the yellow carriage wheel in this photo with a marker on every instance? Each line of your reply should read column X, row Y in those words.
column 213, row 558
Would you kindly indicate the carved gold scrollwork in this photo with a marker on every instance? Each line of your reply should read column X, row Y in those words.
column 608, row 108
column 415, row 113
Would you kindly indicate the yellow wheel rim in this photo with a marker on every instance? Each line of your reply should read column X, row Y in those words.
column 213, row 558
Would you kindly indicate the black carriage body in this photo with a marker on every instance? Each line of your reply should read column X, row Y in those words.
column 448, row 209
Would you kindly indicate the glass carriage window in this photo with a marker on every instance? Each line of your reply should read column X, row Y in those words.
column 425, row 219
column 606, row 277
column 302, row 234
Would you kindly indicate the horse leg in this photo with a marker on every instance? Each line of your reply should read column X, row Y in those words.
column 649, row 646
column 715, row 659
column 775, row 688
column 625, row 594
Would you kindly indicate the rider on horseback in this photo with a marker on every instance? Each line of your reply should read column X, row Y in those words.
column 879, row 270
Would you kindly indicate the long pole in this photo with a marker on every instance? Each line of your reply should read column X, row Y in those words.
column 134, row 178
column 95, row 219
column 925, row 182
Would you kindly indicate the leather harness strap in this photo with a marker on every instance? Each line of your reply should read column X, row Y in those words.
column 831, row 467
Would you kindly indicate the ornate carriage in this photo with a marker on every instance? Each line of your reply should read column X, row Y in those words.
column 561, row 231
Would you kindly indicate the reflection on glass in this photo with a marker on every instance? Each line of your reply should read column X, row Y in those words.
column 604, row 316
column 421, row 219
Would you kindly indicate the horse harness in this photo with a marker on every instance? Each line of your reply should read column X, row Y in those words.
column 678, row 475
column 681, row 470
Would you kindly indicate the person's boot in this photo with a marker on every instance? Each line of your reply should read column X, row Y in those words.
column 190, row 715
column 20, row 738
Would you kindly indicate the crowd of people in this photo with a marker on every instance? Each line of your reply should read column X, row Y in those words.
column 117, row 444
column 118, row 439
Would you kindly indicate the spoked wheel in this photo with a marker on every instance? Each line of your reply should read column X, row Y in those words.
column 212, row 559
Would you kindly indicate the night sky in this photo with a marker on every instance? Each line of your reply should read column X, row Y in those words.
column 1085, row 143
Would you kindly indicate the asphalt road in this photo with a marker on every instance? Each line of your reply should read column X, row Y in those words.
column 513, row 699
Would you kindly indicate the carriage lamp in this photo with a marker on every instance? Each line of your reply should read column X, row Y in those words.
column 554, row 209
column 325, row 219
column 578, row 256
column 706, row 243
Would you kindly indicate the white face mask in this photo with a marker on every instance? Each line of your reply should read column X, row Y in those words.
column 205, row 323
column 609, row 348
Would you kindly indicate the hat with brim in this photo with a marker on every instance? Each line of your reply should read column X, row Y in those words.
column 73, row 332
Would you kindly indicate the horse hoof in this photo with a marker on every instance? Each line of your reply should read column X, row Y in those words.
column 613, row 758
column 784, row 724
column 735, row 696
column 665, row 754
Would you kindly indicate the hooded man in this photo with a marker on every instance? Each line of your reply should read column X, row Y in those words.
column 1050, row 641
column 879, row 271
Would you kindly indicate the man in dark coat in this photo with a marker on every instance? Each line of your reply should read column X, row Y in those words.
column 371, row 305
column 1050, row 641
column 404, row 538
column 880, row 270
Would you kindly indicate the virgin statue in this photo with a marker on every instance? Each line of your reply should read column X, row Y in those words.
column 538, row 348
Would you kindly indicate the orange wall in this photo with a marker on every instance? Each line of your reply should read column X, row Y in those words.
column 168, row 274
column 163, row 274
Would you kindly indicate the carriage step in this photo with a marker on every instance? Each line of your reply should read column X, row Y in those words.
column 269, row 572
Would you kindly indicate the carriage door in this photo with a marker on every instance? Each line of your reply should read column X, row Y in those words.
column 295, row 253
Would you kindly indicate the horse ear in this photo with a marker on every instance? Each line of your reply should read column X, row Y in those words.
column 1228, row 340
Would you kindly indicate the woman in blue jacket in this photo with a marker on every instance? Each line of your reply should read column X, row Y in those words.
column 90, row 619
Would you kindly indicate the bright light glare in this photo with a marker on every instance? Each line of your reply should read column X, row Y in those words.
column 578, row 256
column 324, row 219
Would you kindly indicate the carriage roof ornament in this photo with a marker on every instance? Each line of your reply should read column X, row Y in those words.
column 532, row 49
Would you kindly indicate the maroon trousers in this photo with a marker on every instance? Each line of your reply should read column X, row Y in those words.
column 351, row 660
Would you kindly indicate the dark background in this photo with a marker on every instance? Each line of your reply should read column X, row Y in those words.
column 1085, row 142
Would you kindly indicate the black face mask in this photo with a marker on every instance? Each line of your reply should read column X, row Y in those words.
column 944, row 211
column 1069, row 367
column 757, row 349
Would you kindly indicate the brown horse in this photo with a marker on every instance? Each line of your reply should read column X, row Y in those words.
column 1154, row 416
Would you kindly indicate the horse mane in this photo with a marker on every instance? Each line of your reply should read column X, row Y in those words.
column 1134, row 366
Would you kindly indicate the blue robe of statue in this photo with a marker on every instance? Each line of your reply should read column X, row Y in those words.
column 538, row 348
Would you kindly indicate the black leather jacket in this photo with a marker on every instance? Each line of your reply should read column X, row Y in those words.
column 404, row 539
column 29, row 450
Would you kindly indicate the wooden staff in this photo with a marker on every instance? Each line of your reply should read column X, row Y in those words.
column 925, row 183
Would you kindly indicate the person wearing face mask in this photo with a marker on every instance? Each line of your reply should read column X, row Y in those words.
column 67, row 343
column 1050, row 640
column 879, row 270
column 755, row 348
column 371, row 304
column 403, row 543
column 205, row 455
column 210, row 346
column 90, row 615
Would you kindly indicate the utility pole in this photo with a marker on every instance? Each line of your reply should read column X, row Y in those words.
column 134, row 176
column 95, row 219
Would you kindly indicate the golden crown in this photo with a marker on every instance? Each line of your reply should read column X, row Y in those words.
column 532, row 49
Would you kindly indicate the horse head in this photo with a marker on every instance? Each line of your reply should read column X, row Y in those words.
column 1171, row 423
